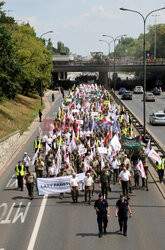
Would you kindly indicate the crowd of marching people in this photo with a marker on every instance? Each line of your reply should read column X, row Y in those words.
column 85, row 137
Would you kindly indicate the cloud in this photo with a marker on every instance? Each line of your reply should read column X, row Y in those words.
column 99, row 11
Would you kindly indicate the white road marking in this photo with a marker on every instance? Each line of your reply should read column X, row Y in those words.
column 9, row 213
column 20, row 214
column 38, row 223
column 12, row 182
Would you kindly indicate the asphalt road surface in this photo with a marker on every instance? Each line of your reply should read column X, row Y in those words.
column 136, row 105
column 50, row 223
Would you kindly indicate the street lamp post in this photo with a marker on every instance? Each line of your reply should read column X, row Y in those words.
column 155, row 37
column 114, row 57
column 109, row 46
column 41, row 81
column 144, row 61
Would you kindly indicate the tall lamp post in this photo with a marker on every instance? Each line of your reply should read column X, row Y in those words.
column 114, row 57
column 155, row 37
column 109, row 47
column 41, row 81
column 144, row 61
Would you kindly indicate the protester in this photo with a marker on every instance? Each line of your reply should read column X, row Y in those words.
column 74, row 186
column 26, row 161
column 88, row 182
column 125, row 179
column 30, row 181
column 40, row 115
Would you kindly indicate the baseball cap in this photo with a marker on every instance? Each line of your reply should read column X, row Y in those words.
column 100, row 194
column 25, row 153
column 121, row 195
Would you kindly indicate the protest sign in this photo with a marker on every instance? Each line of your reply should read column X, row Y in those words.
column 102, row 150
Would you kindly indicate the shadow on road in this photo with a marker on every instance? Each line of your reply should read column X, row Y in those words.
column 96, row 235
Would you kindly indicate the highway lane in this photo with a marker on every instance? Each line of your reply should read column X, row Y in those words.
column 73, row 226
column 136, row 105
column 16, row 228
column 67, row 226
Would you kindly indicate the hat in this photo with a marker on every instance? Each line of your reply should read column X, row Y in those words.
column 25, row 153
column 125, row 155
column 121, row 195
column 100, row 194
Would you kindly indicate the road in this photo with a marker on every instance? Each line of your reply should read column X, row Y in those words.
column 68, row 226
column 136, row 105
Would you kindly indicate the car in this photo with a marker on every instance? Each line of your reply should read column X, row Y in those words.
column 127, row 95
column 138, row 90
column 156, row 91
column 157, row 118
column 149, row 97
column 121, row 91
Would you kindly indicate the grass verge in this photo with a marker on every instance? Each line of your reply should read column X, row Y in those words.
column 18, row 114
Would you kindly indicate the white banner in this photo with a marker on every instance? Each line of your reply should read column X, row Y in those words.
column 152, row 154
column 57, row 185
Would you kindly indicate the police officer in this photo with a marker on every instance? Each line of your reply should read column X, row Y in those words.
column 103, row 211
column 20, row 172
column 104, row 183
column 160, row 170
column 37, row 144
column 30, row 181
column 121, row 211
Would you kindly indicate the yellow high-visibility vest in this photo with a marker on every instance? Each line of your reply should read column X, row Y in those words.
column 161, row 167
column 22, row 172
column 39, row 144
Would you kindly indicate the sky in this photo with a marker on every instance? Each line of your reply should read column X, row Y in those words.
column 79, row 24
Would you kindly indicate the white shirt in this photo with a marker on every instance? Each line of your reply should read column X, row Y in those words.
column 124, row 175
column 44, row 138
column 49, row 141
column 115, row 164
column 52, row 170
column 26, row 160
column 74, row 182
column 88, row 181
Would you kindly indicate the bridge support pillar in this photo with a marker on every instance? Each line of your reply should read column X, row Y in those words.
column 103, row 79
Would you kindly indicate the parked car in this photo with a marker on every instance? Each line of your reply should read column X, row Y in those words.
column 127, row 95
column 121, row 91
column 149, row 97
column 157, row 118
column 138, row 90
column 156, row 91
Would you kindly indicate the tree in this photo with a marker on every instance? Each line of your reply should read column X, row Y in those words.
column 9, row 67
column 34, row 58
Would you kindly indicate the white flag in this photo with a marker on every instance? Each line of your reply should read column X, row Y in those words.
column 155, row 156
column 34, row 157
column 47, row 148
column 141, row 168
column 147, row 150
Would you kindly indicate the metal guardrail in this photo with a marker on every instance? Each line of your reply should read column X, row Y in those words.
column 139, row 127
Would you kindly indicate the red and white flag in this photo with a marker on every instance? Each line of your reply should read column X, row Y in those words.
column 141, row 169
column 152, row 154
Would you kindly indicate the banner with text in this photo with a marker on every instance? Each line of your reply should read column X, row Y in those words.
column 57, row 185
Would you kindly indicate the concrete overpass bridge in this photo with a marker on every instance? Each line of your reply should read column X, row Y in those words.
column 153, row 69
